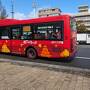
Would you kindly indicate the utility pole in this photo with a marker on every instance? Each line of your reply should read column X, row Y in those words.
column 34, row 6
column 12, row 8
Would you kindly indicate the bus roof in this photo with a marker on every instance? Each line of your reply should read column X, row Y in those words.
column 7, row 22
column 10, row 22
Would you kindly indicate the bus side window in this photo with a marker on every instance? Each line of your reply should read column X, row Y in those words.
column 27, row 32
column 5, row 33
column 16, row 33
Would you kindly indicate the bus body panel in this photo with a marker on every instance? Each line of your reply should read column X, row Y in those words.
column 45, row 48
column 5, row 46
column 16, row 46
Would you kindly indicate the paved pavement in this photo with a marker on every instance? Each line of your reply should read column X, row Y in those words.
column 16, row 77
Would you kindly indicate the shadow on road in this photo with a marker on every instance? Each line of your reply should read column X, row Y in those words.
column 39, row 59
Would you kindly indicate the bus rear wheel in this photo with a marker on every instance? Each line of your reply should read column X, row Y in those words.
column 31, row 53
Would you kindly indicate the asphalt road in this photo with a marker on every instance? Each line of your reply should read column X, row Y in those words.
column 82, row 59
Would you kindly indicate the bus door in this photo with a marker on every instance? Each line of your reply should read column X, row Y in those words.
column 16, row 40
column 16, row 46
column 19, row 34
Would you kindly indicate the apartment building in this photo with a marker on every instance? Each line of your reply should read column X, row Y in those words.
column 49, row 12
column 83, row 15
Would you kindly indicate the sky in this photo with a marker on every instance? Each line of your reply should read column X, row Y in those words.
column 23, row 8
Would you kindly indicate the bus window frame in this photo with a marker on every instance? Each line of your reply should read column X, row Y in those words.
column 31, row 30
column 54, row 22
column 9, row 35
column 13, row 27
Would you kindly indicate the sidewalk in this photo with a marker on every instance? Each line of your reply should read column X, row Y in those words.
column 16, row 77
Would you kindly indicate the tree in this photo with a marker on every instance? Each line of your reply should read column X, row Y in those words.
column 81, row 28
column 3, row 14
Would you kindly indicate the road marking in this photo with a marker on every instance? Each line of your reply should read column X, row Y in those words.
column 83, row 57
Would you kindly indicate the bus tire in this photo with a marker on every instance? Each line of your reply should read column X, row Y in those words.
column 68, row 59
column 31, row 53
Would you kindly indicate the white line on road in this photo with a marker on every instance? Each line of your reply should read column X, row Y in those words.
column 83, row 57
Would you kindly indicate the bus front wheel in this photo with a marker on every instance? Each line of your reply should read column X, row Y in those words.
column 31, row 53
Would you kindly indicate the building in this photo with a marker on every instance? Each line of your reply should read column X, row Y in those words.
column 83, row 15
column 49, row 12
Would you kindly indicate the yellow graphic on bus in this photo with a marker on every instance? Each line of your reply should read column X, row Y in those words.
column 45, row 52
column 5, row 48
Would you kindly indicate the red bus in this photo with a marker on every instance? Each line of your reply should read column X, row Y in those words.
column 52, row 37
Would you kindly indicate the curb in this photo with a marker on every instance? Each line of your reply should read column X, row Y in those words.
column 47, row 66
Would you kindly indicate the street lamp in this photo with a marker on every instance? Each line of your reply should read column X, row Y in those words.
column 34, row 6
column 12, row 8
